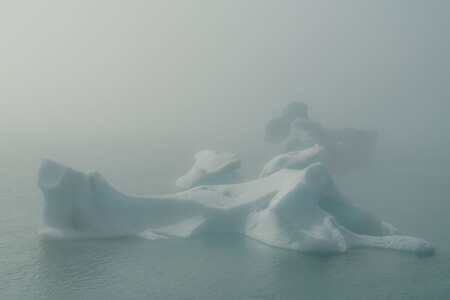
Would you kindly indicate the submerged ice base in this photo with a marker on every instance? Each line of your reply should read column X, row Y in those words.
column 292, row 209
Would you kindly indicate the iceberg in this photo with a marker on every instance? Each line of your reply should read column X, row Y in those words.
column 303, row 134
column 292, row 209
column 295, row 110
column 211, row 167
column 294, row 131
column 277, row 129
column 296, row 160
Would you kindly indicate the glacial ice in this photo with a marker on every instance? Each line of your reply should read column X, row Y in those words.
column 296, row 160
column 294, row 131
column 210, row 167
column 291, row 209
column 303, row 134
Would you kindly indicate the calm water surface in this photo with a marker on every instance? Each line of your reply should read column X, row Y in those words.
column 412, row 196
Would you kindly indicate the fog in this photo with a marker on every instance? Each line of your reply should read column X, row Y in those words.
column 205, row 74
column 170, row 100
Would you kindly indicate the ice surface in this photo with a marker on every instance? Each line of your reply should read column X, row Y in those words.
column 210, row 167
column 291, row 209
column 296, row 160
column 303, row 134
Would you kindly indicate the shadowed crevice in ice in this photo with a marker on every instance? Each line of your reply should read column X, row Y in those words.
column 292, row 209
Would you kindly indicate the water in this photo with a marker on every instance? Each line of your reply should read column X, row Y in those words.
column 412, row 195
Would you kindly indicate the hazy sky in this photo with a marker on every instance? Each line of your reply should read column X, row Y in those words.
column 224, row 68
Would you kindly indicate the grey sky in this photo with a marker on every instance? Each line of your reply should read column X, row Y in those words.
column 182, row 68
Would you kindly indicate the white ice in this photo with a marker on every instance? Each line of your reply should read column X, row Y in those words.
column 210, row 166
column 292, row 209
column 296, row 160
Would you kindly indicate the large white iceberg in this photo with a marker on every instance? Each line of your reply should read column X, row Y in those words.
column 210, row 167
column 291, row 209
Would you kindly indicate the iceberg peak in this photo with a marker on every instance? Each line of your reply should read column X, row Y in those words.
column 210, row 167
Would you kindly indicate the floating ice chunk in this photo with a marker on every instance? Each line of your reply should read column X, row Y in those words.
column 294, row 160
column 210, row 167
column 292, row 209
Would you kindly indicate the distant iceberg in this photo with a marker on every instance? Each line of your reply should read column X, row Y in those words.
column 294, row 131
column 291, row 209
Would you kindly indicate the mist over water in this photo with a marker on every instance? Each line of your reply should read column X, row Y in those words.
column 134, row 89
column 208, row 70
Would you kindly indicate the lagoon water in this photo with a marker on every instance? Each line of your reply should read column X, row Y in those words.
column 413, row 195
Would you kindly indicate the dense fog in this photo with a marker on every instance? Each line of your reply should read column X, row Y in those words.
column 191, row 75
column 174, row 149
